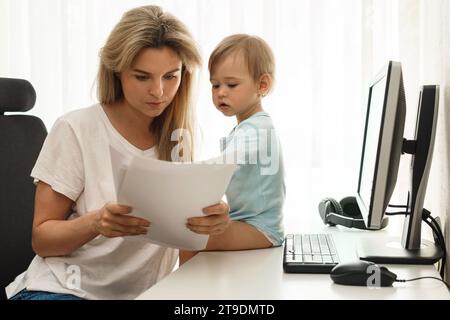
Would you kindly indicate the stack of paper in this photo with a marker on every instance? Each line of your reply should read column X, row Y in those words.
column 168, row 193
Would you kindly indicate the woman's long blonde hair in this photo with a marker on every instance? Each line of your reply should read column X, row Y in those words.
column 150, row 27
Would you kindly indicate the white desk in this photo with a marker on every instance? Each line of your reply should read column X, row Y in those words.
column 258, row 274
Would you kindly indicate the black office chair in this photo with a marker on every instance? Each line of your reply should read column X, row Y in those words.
column 21, row 139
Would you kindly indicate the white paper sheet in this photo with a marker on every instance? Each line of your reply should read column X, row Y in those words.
column 168, row 193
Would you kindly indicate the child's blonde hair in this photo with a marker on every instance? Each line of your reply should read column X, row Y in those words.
column 257, row 54
column 150, row 27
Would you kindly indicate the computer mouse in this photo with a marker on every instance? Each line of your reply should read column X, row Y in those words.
column 362, row 273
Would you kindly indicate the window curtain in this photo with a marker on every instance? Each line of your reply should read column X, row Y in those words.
column 315, row 104
column 326, row 53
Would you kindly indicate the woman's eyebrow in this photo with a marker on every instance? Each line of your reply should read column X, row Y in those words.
column 148, row 73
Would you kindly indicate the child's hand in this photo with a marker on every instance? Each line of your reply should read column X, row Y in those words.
column 215, row 222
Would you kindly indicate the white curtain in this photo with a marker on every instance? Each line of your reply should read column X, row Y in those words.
column 316, row 103
column 326, row 53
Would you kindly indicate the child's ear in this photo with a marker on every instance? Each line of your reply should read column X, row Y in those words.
column 265, row 82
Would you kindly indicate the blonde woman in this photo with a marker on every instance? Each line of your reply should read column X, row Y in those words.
column 87, row 246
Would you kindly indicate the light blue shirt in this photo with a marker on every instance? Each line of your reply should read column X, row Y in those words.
column 257, row 191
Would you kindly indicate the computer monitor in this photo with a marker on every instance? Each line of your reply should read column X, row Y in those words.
column 383, row 145
column 422, row 150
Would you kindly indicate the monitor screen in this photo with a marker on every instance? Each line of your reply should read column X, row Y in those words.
column 382, row 144
column 421, row 159
column 375, row 113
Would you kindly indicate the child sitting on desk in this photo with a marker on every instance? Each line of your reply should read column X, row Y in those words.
column 242, row 72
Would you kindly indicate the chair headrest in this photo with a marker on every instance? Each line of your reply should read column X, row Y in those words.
column 16, row 95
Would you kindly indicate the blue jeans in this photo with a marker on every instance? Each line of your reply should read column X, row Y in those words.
column 43, row 295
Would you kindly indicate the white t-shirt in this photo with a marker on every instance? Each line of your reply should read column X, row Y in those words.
column 75, row 161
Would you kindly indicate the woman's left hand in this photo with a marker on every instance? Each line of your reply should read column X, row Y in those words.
column 215, row 221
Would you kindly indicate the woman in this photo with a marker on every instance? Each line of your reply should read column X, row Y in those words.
column 88, row 246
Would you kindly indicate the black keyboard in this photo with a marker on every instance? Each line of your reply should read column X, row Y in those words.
column 309, row 253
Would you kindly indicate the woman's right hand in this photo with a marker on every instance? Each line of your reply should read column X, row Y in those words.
column 113, row 220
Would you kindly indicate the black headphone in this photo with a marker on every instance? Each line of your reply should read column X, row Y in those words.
column 345, row 212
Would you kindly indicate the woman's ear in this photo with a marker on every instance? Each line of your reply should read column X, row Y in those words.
column 265, row 83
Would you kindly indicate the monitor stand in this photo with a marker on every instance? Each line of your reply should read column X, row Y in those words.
column 391, row 251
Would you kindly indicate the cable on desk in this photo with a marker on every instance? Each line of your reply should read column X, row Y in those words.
column 419, row 278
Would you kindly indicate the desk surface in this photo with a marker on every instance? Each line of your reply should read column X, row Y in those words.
column 258, row 274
